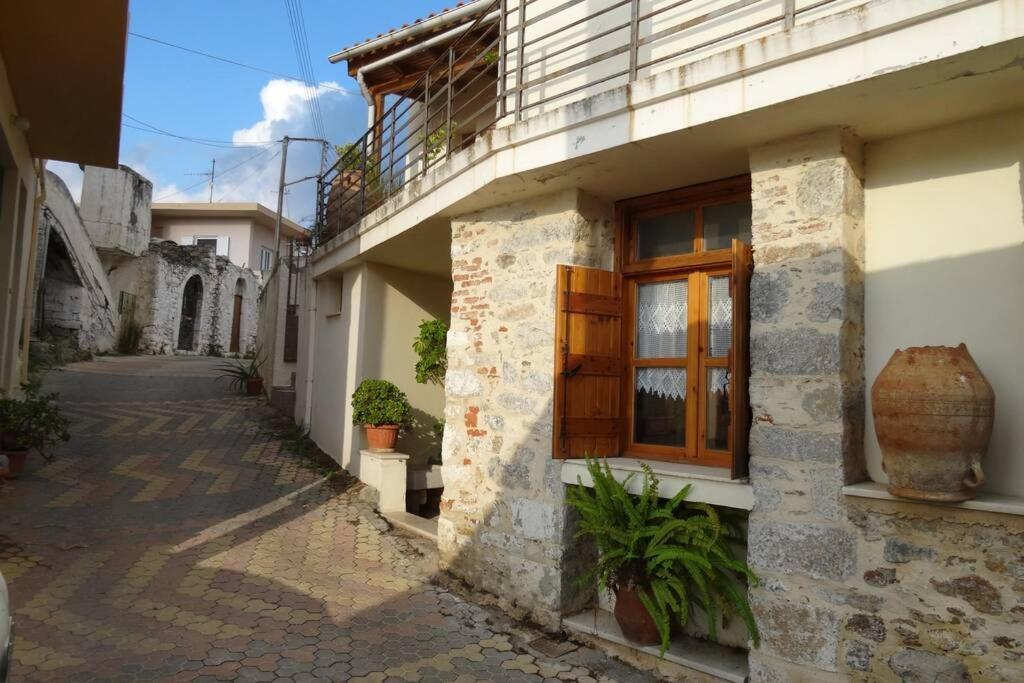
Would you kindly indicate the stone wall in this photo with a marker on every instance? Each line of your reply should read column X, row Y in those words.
column 158, row 278
column 852, row 588
column 503, row 524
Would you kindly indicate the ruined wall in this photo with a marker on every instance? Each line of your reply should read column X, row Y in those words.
column 503, row 524
column 158, row 280
column 71, row 286
column 852, row 588
column 116, row 209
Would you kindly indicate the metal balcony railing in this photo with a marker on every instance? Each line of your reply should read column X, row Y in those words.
column 522, row 57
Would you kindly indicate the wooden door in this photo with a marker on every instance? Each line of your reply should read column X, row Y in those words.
column 236, row 324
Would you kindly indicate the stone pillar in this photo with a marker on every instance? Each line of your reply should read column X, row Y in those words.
column 503, row 525
column 806, row 393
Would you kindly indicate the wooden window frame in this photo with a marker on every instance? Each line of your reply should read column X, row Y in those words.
column 696, row 267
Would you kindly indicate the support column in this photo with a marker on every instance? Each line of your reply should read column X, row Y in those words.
column 806, row 393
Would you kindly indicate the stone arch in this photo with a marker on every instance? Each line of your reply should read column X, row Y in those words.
column 191, row 314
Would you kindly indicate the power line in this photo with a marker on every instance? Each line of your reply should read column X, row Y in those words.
column 226, row 60
column 297, row 26
column 252, row 173
column 150, row 128
column 219, row 175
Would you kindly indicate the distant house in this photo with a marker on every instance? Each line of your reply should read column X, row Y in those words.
column 241, row 231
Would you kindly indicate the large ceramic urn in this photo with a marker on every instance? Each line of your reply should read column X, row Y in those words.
column 933, row 411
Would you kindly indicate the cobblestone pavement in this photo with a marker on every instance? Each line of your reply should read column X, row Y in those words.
column 176, row 538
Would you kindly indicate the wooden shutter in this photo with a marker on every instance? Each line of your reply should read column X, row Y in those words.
column 742, row 266
column 588, row 363
column 291, row 334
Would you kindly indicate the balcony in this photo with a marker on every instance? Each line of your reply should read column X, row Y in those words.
column 519, row 60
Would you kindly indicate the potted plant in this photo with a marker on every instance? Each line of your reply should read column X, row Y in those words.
column 662, row 558
column 31, row 422
column 243, row 373
column 382, row 409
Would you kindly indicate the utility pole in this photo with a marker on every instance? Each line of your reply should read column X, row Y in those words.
column 280, row 201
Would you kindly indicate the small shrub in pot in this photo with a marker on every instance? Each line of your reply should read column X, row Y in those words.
column 31, row 422
column 382, row 409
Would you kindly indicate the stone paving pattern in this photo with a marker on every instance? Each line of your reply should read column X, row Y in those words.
column 174, row 538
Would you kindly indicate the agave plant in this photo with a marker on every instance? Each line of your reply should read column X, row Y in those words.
column 238, row 371
column 676, row 555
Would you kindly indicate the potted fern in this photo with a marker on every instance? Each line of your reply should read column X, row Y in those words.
column 383, row 410
column 662, row 558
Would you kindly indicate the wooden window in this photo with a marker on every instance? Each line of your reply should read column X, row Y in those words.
column 681, row 290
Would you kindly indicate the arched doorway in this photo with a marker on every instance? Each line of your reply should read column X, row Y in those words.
column 236, row 319
column 191, row 310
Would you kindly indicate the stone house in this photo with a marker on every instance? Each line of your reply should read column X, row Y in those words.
column 691, row 235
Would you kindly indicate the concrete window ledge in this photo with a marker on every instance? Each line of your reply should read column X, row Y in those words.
column 726, row 663
column 710, row 484
column 985, row 502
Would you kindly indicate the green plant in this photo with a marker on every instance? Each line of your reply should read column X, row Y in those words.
column 675, row 555
column 431, row 345
column 129, row 336
column 238, row 371
column 379, row 402
column 437, row 140
column 34, row 421
column 490, row 57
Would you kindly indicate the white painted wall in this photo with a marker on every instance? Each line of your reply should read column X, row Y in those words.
column 239, row 232
column 945, row 264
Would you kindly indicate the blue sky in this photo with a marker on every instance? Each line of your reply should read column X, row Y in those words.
column 197, row 97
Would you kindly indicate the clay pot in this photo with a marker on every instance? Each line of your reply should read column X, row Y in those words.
column 633, row 618
column 254, row 386
column 15, row 462
column 933, row 411
column 382, row 438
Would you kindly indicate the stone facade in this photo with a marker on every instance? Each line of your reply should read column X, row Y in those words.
column 503, row 525
column 158, row 279
column 852, row 588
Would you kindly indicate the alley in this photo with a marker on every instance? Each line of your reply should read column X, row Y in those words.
column 176, row 537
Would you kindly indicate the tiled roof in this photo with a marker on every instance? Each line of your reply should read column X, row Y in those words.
column 387, row 33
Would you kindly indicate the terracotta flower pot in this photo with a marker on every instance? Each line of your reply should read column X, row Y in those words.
column 633, row 618
column 382, row 438
column 933, row 411
column 15, row 462
column 254, row 386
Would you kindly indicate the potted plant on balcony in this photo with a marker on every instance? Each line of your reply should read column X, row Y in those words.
column 662, row 558
column 383, row 410
column 31, row 422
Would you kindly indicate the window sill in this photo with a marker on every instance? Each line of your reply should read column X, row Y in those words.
column 710, row 484
column 722, row 662
column 333, row 315
column 985, row 502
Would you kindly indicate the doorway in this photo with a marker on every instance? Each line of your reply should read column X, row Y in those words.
column 236, row 319
column 191, row 309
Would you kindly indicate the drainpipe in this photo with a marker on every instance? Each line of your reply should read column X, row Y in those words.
column 26, row 309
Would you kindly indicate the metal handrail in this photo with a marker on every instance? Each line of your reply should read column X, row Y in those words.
column 417, row 132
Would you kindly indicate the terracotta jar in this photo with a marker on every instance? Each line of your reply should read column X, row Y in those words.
column 633, row 618
column 933, row 411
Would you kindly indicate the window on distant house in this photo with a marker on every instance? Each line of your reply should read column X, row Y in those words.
column 266, row 259
column 653, row 358
column 208, row 242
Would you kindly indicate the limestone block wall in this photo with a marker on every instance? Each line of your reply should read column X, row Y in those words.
column 852, row 588
column 503, row 524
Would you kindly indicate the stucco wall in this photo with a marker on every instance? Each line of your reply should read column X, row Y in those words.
column 237, row 230
column 503, row 524
column 396, row 301
column 116, row 209
column 334, row 368
column 945, row 264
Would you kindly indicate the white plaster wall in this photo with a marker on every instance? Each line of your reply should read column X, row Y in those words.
column 116, row 209
column 945, row 264
column 396, row 302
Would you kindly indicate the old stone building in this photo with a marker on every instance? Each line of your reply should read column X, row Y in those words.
column 100, row 270
column 692, row 242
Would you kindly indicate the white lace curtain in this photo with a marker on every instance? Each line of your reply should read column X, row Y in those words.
column 661, row 313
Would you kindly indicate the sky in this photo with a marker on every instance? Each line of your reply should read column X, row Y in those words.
column 240, row 109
